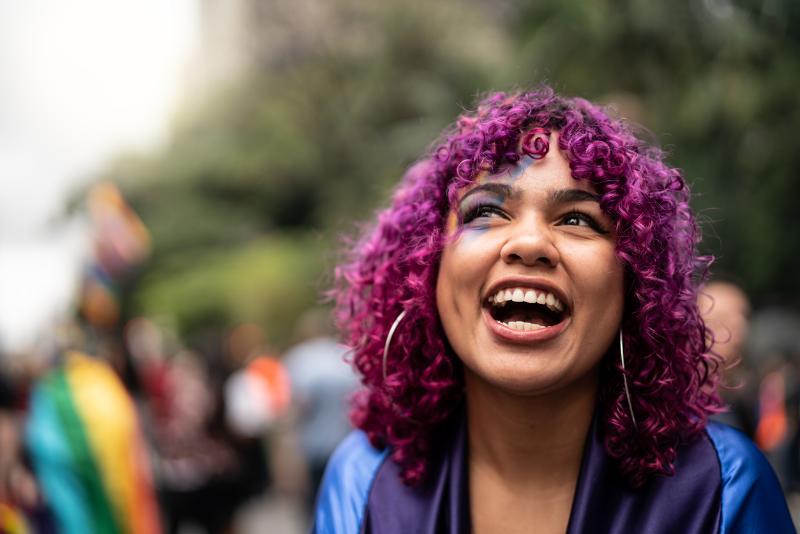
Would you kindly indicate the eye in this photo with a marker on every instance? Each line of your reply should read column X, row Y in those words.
column 484, row 212
column 577, row 218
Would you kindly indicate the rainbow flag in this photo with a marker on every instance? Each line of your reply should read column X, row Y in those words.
column 88, row 451
column 12, row 520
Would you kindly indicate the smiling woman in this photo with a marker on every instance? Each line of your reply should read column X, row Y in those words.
column 541, row 237
column 524, row 319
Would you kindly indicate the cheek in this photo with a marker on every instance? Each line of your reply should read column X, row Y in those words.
column 600, row 285
column 600, row 279
column 443, row 279
column 460, row 264
column 454, row 275
column 458, row 285
column 446, row 304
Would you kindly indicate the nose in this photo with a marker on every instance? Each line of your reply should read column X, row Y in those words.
column 530, row 243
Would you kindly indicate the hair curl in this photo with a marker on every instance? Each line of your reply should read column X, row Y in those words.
column 393, row 267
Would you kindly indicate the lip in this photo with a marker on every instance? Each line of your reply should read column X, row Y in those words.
column 533, row 283
column 510, row 335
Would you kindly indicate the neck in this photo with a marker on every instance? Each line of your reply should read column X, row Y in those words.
column 530, row 441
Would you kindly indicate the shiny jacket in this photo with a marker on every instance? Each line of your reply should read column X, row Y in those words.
column 722, row 484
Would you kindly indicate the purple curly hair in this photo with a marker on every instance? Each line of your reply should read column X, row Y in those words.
column 671, row 370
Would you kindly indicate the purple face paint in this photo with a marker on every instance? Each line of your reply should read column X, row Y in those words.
column 516, row 171
column 510, row 175
column 475, row 226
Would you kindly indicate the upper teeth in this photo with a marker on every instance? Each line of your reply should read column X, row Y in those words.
column 532, row 296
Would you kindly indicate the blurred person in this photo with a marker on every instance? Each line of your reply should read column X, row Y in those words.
column 776, row 417
column 256, row 399
column 205, row 469
column 192, row 464
column 774, row 350
column 88, row 451
column 148, row 372
column 762, row 402
column 726, row 311
column 187, row 456
column 321, row 382
column 773, row 427
column 524, row 318
column 256, row 396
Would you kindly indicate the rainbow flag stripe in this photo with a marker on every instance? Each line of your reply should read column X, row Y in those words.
column 12, row 521
column 88, row 451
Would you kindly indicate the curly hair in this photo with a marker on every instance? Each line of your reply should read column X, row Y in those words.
column 393, row 267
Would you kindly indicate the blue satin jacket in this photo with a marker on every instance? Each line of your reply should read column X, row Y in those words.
column 722, row 484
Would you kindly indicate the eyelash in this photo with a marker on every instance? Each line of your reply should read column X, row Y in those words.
column 575, row 213
column 585, row 217
column 472, row 215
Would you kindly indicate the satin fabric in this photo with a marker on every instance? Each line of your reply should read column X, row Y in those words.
column 346, row 485
column 441, row 505
column 687, row 502
column 752, row 500
column 733, row 492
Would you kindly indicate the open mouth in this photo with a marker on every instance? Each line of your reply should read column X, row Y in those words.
column 524, row 308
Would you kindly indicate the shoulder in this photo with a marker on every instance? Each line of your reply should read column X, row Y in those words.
column 752, row 499
column 342, row 497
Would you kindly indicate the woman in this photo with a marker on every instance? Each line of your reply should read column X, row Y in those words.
column 524, row 318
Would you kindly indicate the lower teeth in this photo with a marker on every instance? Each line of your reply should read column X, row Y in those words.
column 522, row 326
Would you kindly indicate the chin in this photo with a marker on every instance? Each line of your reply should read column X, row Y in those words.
column 526, row 379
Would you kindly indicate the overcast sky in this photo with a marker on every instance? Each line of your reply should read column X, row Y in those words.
column 79, row 80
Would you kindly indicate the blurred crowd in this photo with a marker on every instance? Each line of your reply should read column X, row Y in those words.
column 146, row 433
column 761, row 382
column 141, row 434
column 146, row 436
column 117, row 425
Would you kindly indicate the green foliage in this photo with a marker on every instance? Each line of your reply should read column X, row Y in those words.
column 720, row 79
column 303, row 148
column 269, row 282
column 310, row 145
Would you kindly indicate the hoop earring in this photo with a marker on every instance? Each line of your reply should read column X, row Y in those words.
column 389, row 340
column 385, row 355
column 624, row 377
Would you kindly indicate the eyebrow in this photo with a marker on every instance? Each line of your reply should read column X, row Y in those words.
column 566, row 196
column 502, row 190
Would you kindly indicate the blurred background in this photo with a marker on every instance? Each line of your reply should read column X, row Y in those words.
column 175, row 177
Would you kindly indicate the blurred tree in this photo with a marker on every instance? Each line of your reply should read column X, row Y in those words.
column 302, row 147
column 316, row 134
column 719, row 77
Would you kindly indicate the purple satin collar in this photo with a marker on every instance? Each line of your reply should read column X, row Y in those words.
column 441, row 505
column 688, row 502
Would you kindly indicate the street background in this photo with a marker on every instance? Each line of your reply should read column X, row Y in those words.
column 176, row 177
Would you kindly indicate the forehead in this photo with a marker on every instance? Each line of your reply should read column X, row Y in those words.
column 535, row 177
